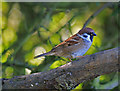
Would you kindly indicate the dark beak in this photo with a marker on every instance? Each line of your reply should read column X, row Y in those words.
column 94, row 34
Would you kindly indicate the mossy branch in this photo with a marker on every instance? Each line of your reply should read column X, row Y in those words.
column 69, row 75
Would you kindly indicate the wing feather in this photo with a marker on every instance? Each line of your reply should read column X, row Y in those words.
column 70, row 41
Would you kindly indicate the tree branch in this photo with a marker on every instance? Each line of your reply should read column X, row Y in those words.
column 69, row 75
column 96, row 13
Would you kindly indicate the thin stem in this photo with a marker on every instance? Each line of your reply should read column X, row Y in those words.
column 95, row 14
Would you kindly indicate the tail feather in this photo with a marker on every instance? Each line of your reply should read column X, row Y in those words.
column 44, row 54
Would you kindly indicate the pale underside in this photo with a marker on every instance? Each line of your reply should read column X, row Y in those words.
column 76, row 45
column 72, row 48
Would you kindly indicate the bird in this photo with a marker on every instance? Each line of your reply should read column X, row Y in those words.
column 73, row 47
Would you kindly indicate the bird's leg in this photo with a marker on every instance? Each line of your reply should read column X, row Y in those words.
column 70, row 59
column 81, row 56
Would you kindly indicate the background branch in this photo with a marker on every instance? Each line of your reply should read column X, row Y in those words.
column 96, row 13
column 69, row 75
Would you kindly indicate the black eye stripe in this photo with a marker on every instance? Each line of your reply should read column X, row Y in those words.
column 89, row 33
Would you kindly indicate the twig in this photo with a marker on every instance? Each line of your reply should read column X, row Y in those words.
column 66, row 23
column 95, row 14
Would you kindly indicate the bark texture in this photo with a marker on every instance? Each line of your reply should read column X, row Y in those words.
column 69, row 75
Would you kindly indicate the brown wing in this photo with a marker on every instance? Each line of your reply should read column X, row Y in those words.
column 70, row 41
column 75, row 38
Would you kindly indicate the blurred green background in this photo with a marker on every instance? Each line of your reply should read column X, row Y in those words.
column 29, row 29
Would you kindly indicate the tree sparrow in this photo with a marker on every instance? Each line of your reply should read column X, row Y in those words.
column 75, row 46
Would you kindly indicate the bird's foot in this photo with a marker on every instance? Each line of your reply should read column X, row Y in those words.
column 81, row 56
column 70, row 60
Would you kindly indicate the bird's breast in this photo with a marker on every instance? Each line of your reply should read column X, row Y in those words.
column 81, row 50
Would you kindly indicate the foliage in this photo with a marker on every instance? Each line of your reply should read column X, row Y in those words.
column 29, row 29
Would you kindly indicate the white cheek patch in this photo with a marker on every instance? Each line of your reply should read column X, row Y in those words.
column 87, row 38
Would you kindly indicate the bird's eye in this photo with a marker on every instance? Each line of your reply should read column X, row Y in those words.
column 85, row 36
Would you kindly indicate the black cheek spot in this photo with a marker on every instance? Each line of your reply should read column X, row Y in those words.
column 85, row 36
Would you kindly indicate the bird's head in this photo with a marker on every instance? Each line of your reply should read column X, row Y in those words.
column 87, row 34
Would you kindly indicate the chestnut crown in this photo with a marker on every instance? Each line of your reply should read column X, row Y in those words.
column 88, row 31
